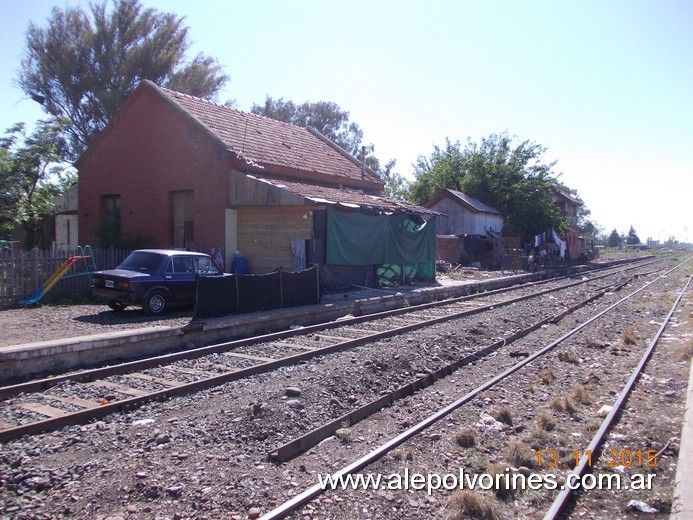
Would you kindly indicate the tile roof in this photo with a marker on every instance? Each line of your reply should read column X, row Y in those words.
column 346, row 197
column 264, row 141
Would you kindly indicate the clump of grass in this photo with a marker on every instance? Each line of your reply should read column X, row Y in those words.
column 629, row 337
column 593, row 426
column 580, row 394
column 687, row 352
column 471, row 504
column 504, row 415
column 547, row 376
column 403, row 454
column 568, row 357
column 519, row 454
column 545, row 422
column 345, row 435
column 503, row 486
column 466, row 438
column 562, row 404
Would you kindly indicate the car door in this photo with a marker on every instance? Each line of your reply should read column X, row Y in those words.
column 180, row 279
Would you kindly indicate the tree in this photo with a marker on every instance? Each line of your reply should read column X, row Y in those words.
column 396, row 186
column 589, row 229
column 83, row 65
column 31, row 175
column 614, row 239
column 509, row 177
column 632, row 237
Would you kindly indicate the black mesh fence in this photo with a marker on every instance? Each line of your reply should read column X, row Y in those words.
column 242, row 293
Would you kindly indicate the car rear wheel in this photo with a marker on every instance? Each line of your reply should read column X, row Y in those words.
column 155, row 303
column 116, row 305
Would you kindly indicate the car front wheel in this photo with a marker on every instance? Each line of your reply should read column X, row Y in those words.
column 155, row 304
column 116, row 305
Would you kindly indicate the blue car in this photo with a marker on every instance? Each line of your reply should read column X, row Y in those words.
column 154, row 279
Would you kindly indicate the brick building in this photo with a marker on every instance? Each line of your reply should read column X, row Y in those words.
column 179, row 171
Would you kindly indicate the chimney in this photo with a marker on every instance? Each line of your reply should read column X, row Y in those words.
column 363, row 162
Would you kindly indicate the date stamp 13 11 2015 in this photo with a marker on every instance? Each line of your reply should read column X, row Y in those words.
column 550, row 458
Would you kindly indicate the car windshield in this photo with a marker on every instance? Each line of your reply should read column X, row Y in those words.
column 141, row 262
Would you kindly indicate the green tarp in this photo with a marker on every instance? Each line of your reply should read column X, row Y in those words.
column 358, row 239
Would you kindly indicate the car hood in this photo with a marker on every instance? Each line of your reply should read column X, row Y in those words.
column 122, row 273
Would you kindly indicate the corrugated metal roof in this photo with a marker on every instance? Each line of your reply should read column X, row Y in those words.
column 346, row 197
column 468, row 201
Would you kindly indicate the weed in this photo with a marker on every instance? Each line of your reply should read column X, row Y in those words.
column 519, row 454
column 345, row 435
column 538, row 439
column 593, row 426
column 466, row 438
column 503, row 415
column 405, row 303
column 687, row 352
column 562, row 404
column 545, row 422
column 557, row 404
column 547, row 376
column 629, row 337
column 471, row 504
column 503, row 481
column 568, row 357
column 403, row 454
column 580, row 394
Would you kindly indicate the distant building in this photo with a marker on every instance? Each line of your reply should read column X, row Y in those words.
column 568, row 206
column 464, row 215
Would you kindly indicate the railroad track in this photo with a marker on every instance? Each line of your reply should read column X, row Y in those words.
column 76, row 398
column 588, row 451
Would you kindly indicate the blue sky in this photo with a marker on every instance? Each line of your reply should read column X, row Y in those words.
column 606, row 87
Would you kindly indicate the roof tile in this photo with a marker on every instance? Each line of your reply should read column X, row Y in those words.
column 266, row 141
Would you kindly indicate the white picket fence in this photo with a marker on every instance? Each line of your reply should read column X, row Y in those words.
column 23, row 272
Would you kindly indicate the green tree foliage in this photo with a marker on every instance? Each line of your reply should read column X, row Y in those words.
column 614, row 239
column 632, row 237
column 30, row 176
column 396, row 186
column 589, row 229
column 83, row 65
column 511, row 178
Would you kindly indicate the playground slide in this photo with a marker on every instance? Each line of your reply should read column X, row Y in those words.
column 36, row 296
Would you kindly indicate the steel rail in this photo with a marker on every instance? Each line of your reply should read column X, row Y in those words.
column 87, row 414
column 155, row 361
column 561, row 500
column 302, row 498
column 82, row 416
column 304, row 442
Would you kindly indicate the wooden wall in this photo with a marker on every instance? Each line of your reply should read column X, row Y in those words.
column 459, row 220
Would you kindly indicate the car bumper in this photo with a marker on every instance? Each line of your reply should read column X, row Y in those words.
column 117, row 295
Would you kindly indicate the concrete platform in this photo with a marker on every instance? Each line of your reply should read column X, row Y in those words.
column 19, row 362
column 682, row 504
